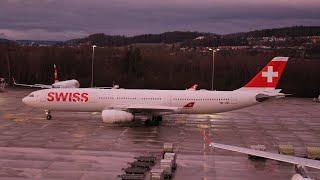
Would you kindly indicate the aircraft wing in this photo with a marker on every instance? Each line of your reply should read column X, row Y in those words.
column 44, row 86
column 279, row 157
column 103, row 87
column 145, row 108
column 148, row 108
column 109, row 87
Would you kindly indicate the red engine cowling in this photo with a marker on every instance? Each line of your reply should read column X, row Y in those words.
column 112, row 116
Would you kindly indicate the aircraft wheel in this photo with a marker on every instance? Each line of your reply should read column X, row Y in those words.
column 147, row 122
column 154, row 121
column 49, row 117
column 159, row 118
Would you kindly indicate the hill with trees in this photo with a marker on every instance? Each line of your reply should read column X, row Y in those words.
column 196, row 38
column 6, row 41
column 296, row 31
column 156, row 67
column 108, row 40
column 172, row 60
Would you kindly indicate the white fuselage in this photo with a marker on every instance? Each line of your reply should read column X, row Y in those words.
column 95, row 100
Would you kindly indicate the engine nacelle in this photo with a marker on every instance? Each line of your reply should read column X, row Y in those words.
column 67, row 84
column 112, row 116
column 299, row 177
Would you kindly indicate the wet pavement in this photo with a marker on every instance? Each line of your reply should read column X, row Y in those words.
column 81, row 146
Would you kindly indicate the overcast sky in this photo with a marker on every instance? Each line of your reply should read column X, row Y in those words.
column 67, row 19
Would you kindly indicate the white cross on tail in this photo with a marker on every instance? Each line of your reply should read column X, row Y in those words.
column 270, row 74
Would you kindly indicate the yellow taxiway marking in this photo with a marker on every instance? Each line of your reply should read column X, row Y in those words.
column 14, row 117
column 203, row 126
column 78, row 135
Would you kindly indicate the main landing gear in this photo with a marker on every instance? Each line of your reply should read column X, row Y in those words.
column 154, row 121
column 48, row 115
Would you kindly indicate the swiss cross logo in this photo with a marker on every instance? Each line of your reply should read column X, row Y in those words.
column 189, row 105
column 270, row 74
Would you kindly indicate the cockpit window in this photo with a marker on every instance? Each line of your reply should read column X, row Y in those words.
column 31, row 95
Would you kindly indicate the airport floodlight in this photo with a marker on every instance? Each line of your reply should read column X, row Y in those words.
column 212, row 77
column 92, row 60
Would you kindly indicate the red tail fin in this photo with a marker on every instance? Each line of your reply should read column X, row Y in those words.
column 269, row 76
column 55, row 74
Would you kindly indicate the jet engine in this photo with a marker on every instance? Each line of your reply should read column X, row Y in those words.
column 299, row 177
column 262, row 97
column 67, row 84
column 112, row 116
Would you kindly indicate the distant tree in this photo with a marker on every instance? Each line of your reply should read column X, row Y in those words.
column 133, row 63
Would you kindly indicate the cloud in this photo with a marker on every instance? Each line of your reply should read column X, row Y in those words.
column 50, row 19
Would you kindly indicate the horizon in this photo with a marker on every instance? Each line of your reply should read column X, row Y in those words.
column 128, row 36
column 64, row 20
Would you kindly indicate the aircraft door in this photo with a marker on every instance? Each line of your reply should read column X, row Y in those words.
column 167, row 100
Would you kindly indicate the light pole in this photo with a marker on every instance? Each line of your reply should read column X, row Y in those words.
column 8, row 64
column 212, row 77
column 92, row 60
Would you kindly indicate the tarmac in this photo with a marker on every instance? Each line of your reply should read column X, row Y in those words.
column 81, row 146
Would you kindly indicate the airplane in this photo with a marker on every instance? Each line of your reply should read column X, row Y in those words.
column 300, row 163
column 122, row 105
column 57, row 84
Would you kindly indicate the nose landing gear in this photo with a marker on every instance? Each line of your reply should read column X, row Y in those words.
column 154, row 121
column 48, row 115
